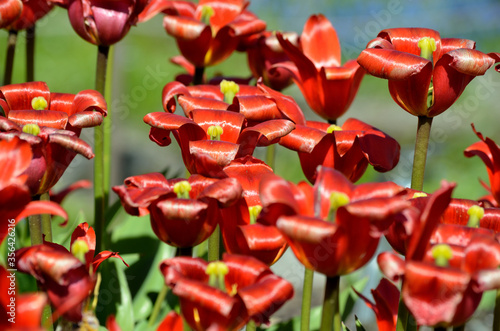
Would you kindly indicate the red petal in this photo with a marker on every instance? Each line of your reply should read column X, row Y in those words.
column 43, row 207
column 263, row 134
column 225, row 11
column 48, row 118
column 208, row 157
column 392, row 266
column 112, row 325
column 320, row 43
column 61, row 195
column 449, row 44
column 172, row 322
column 104, row 255
column 19, row 96
column 182, row 8
column 15, row 159
column 230, row 122
column 10, row 10
column 170, row 91
column 406, row 39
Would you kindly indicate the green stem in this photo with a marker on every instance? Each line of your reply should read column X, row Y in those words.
column 307, row 286
column 30, row 54
column 439, row 328
column 157, row 307
column 420, row 156
column 214, row 245
column 198, row 75
column 47, row 318
column 251, row 326
column 334, row 122
column 330, row 317
column 459, row 328
column 402, row 315
column 184, row 251
column 271, row 155
column 496, row 315
column 107, row 125
column 46, row 219
column 9, row 59
column 100, row 195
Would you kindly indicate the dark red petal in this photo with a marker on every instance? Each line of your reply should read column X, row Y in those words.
column 320, row 43
column 48, row 118
column 86, row 234
column 328, row 181
column 19, row 96
column 104, row 255
column 10, row 10
column 406, row 39
column 72, row 143
column 226, row 191
column 61, row 195
column 43, row 207
column 112, row 325
column 287, row 105
column 29, row 310
column 449, row 44
column 263, row 134
column 170, row 91
column 86, row 119
column 483, row 252
column 176, row 268
column 209, row 157
column 265, row 243
column 172, row 322
column 15, row 159
column 230, row 122
column 392, row 266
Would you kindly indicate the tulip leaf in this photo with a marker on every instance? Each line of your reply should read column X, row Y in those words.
column 124, row 311
column 359, row 326
column 348, row 297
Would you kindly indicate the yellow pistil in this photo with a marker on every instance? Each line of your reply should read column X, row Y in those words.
column 475, row 214
column 254, row 212
column 214, row 132
column 442, row 254
column 206, row 13
column 229, row 89
column 234, row 290
column 419, row 195
column 427, row 47
column 217, row 271
column 182, row 189
column 39, row 103
column 79, row 249
column 33, row 129
column 337, row 200
column 332, row 128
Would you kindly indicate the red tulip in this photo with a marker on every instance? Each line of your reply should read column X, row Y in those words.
column 102, row 23
column 15, row 198
column 489, row 152
column 172, row 322
column 348, row 220
column 9, row 12
column 446, row 294
column 206, row 33
column 51, row 123
column 32, row 11
column 183, row 213
column 328, row 87
column 225, row 295
column 449, row 63
column 348, row 149
column 19, row 312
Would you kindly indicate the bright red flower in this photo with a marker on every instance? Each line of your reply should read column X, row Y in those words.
column 386, row 297
column 328, row 87
column 209, row 32
column 242, row 230
column 177, row 219
column 246, row 290
column 348, row 149
column 58, row 124
column 172, row 322
column 102, row 23
column 348, row 220
column 9, row 12
column 32, row 11
column 395, row 55
column 489, row 152
column 67, row 280
column 447, row 295
column 15, row 197
column 19, row 312
column 264, row 51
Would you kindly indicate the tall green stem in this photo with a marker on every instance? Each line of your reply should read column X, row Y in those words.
column 251, row 326
column 330, row 317
column 39, row 225
column 496, row 315
column 157, row 307
column 420, row 156
column 307, row 286
column 30, row 54
column 9, row 59
column 100, row 189
column 198, row 75
column 214, row 245
column 46, row 219
column 271, row 155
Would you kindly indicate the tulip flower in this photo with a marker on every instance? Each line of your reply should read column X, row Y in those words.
column 67, row 277
column 15, row 197
column 489, row 152
column 227, row 294
column 208, row 32
column 183, row 213
column 328, row 87
column 10, row 12
column 348, row 149
column 19, row 312
column 445, row 288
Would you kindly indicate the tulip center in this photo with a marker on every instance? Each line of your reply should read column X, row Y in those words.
column 206, row 13
column 254, row 212
column 214, row 132
column 33, row 129
column 332, row 128
column 229, row 89
column 427, row 47
column 442, row 254
column 182, row 189
column 337, row 200
column 475, row 214
column 39, row 103
column 217, row 272
column 79, row 249
column 419, row 195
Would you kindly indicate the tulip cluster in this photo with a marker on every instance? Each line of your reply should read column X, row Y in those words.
column 232, row 216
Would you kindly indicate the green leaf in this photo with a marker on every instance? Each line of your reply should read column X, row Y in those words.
column 359, row 326
column 348, row 297
column 344, row 327
column 124, row 311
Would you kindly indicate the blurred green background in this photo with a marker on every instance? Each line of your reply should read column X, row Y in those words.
column 67, row 63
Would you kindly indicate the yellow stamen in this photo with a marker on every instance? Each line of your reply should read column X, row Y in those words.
column 182, row 189
column 206, row 13
column 217, row 271
column 254, row 212
column 419, row 195
column 33, row 129
column 332, row 128
column 234, row 290
column 39, row 103
column 196, row 316
column 229, row 89
column 337, row 200
column 79, row 249
column 427, row 47
column 442, row 254
column 214, row 132
column 475, row 214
